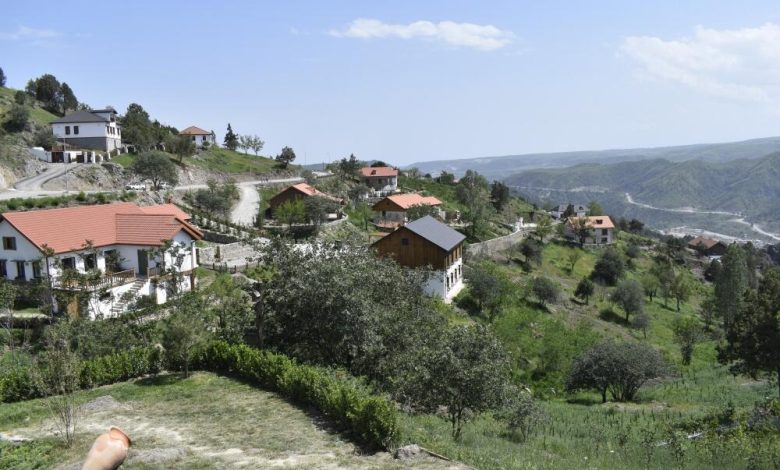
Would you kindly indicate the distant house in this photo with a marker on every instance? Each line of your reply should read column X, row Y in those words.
column 97, row 130
column 708, row 246
column 593, row 230
column 390, row 212
column 578, row 210
column 126, row 248
column 199, row 136
column 428, row 242
column 382, row 179
column 296, row 192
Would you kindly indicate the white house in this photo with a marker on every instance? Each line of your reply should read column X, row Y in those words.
column 382, row 179
column 593, row 230
column 96, row 130
column 426, row 242
column 578, row 210
column 127, row 251
column 199, row 136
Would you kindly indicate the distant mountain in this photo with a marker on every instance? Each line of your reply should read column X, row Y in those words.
column 713, row 192
column 499, row 167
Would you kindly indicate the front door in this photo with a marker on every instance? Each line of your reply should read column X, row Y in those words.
column 143, row 262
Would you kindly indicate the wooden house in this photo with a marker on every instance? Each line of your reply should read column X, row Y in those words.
column 296, row 192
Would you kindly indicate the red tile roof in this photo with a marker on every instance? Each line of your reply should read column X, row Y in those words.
column 68, row 229
column 167, row 209
column 192, row 130
column 595, row 221
column 707, row 243
column 378, row 172
column 406, row 201
column 312, row 191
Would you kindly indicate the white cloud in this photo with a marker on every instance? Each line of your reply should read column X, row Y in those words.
column 39, row 37
column 739, row 64
column 482, row 37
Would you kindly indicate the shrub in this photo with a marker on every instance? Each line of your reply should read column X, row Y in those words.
column 545, row 290
column 609, row 268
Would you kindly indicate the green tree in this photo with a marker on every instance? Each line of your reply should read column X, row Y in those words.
column 753, row 338
column 545, row 290
column 581, row 229
column 473, row 192
column 522, row 413
column 650, row 284
column 184, row 332
column 291, row 212
column 47, row 89
column 69, row 101
column 687, row 333
column 137, row 127
column 543, row 227
column 20, row 97
column 532, row 251
column 2, row 77
column 446, row 178
column 594, row 209
column 229, row 308
column 286, row 157
column 347, row 167
column 609, row 267
column 156, row 167
column 362, row 215
column 17, row 118
column 642, row 322
column 180, row 145
column 318, row 208
column 231, row 139
column 573, row 256
column 682, row 287
column 419, row 211
column 731, row 285
column 630, row 296
column 499, row 195
column 488, row 287
column 256, row 144
column 584, row 290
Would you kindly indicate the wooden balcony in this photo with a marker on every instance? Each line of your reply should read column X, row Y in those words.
column 106, row 281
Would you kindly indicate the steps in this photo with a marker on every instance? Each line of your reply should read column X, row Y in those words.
column 128, row 297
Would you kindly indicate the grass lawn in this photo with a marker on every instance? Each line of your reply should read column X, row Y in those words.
column 205, row 421
column 227, row 161
column 124, row 159
column 37, row 114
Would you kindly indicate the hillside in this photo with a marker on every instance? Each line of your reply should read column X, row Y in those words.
column 500, row 166
column 743, row 188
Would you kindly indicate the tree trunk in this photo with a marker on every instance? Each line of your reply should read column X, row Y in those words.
column 604, row 395
column 678, row 305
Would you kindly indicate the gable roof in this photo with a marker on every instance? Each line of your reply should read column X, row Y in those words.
column 594, row 221
column 405, row 201
column 168, row 209
column 80, row 116
column 192, row 130
column 707, row 243
column 310, row 190
column 436, row 232
column 378, row 172
column 67, row 229
column 577, row 208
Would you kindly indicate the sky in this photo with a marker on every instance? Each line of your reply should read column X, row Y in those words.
column 407, row 81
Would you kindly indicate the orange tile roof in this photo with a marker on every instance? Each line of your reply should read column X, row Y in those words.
column 594, row 221
column 68, row 229
column 406, row 201
column 312, row 191
column 706, row 242
column 192, row 130
column 167, row 209
column 378, row 172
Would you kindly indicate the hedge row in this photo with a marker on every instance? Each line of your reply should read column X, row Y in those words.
column 372, row 419
column 17, row 384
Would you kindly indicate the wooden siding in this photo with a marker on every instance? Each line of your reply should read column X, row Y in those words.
column 388, row 205
column 289, row 194
column 419, row 252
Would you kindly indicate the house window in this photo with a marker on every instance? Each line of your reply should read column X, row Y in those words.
column 3, row 268
column 67, row 130
column 69, row 263
column 405, row 241
column 193, row 138
column 9, row 243
column 36, row 269
column 20, row 275
column 90, row 261
column 604, row 231
column 75, row 130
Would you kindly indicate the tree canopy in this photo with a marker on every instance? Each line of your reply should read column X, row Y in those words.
column 156, row 167
column 286, row 157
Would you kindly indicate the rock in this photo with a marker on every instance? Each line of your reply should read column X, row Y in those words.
column 407, row 452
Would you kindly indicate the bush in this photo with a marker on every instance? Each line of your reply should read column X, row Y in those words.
column 609, row 268
column 372, row 419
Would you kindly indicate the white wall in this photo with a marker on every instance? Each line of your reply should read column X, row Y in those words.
column 25, row 251
column 199, row 139
column 437, row 285
column 87, row 129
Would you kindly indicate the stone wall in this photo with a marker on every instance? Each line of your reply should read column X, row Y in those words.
column 495, row 245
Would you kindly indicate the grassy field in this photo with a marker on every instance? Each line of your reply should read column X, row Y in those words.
column 222, row 160
column 205, row 421
column 37, row 114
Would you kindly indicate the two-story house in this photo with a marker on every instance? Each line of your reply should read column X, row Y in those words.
column 100, row 258
column 575, row 210
column 199, row 136
column 426, row 242
column 391, row 211
column 96, row 130
column 382, row 179
column 593, row 230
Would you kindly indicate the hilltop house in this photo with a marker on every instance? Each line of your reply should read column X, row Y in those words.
column 708, row 246
column 199, row 136
column 296, row 192
column 382, row 179
column 97, row 130
column 428, row 242
column 577, row 210
column 594, row 230
column 100, row 258
column 390, row 212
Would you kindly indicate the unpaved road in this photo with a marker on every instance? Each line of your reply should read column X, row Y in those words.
column 246, row 210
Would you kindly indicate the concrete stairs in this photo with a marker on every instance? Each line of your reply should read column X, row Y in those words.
column 130, row 296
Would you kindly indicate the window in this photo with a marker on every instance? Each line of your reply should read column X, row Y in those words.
column 20, row 275
column 69, row 263
column 405, row 241
column 604, row 231
column 193, row 138
column 3, row 268
column 90, row 261
column 9, row 243
column 67, row 130
column 76, row 130
column 36, row 269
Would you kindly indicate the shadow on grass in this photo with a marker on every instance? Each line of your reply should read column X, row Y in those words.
column 585, row 401
column 607, row 314
column 160, row 380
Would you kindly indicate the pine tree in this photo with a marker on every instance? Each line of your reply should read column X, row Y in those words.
column 69, row 100
column 731, row 285
column 2, row 77
column 231, row 139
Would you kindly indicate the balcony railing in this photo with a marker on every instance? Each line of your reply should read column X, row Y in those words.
column 105, row 281
column 154, row 272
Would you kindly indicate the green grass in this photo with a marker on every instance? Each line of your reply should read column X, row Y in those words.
column 124, row 159
column 227, row 161
column 37, row 114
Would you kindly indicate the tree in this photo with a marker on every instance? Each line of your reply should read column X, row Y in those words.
column 572, row 258
column 17, row 118
column 687, row 333
column 642, row 322
column 347, row 167
column 244, row 142
column 594, row 209
column 568, row 212
column 521, row 413
column 137, row 128
column 69, row 101
column 581, row 228
column 663, row 271
column 286, row 157
column 609, row 268
column 630, row 296
column 20, row 98
column 545, row 290
column 753, row 337
column 532, row 251
column 419, row 211
column 362, row 214
column 620, row 368
column 156, row 167
column 584, row 290
column 467, row 376
column 446, row 178
column 256, row 144
column 488, row 287
column 543, row 227
column 499, row 195
column 472, row 191
column 231, row 139
column 180, row 145
column 48, row 90
column 291, row 212
column 650, row 284
column 713, row 270
column 184, row 331
column 2, row 77
column 632, row 251
column 731, row 285
column 682, row 287
column 636, row 226
column 318, row 208
column 230, row 308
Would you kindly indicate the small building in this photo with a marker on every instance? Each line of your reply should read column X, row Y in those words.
column 390, row 212
column 199, row 136
column 578, row 210
column 382, row 179
column 124, row 251
column 96, row 130
column 426, row 242
column 296, row 192
column 708, row 246
column 593, row 230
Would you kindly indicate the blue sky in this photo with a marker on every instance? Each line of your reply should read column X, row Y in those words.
column 408, row 81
